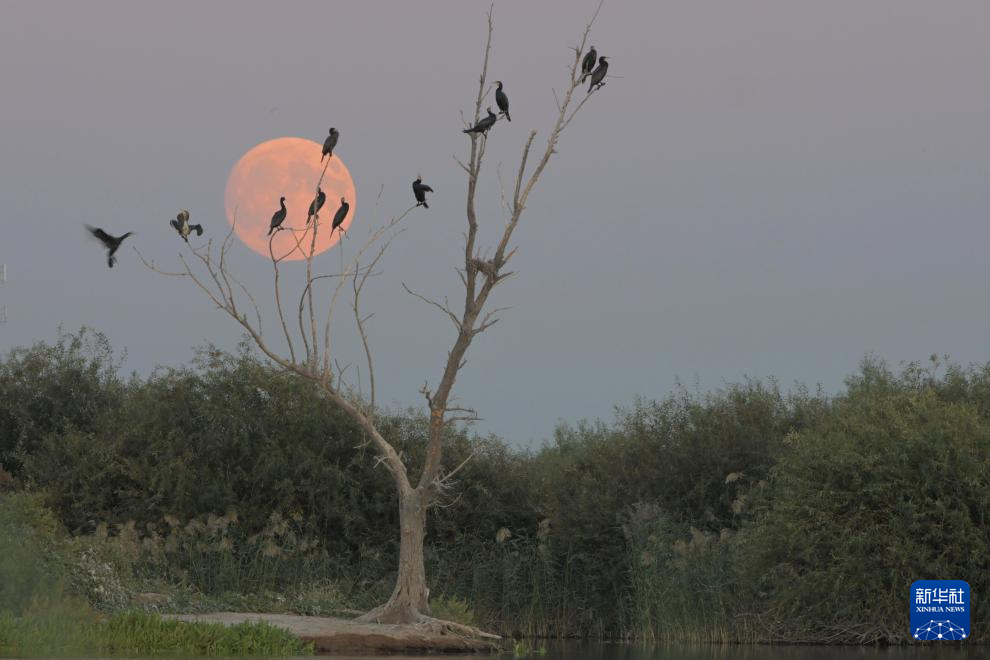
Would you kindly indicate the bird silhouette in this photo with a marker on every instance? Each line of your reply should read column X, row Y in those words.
column 501, row 100
column 316, row 204
column 419, row 190
column 111, row 243
column 483, row 124
column 279, row 217
column 588, row 63
column 598, row 75
column 338, row 217
column 181, row 225
column 330, row 143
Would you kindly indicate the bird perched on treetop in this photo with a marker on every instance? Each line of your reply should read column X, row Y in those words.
column 338, row 217
column 501, row 100
column 279, row 217
column 598, row 75
column 483, row 124
column 316, row 204
column 419, row 190
column 181, row 225
column 110, row 242
column 588, row 63
column 330, row 143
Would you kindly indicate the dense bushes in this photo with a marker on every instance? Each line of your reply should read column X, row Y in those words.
column 745, row 513
column 892, row 487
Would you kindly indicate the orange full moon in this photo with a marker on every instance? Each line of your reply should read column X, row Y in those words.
column 286, row 167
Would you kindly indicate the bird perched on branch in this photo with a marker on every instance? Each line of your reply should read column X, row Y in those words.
column 111, row 243
column 316, row 204
column 598, row 75
column 483, row 124
column 501, row 100
column 279, row 217
column 181, row 225
column 338, row 217
column 330, row 143
column 419, row 190
column 588, row 63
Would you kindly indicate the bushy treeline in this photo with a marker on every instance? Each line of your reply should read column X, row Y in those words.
column 748, row 513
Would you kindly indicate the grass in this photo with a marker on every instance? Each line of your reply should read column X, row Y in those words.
column 67, row 628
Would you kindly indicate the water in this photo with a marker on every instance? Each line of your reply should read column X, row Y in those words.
column 618, row 651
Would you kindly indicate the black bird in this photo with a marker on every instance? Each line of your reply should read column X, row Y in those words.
column 501, row 100
column 181, row 225
column 483, row 124
column 330, row 143
column 598, row 75
column 110, row 242
column 316, row 204
column 420, row 189
column 338, row 217
column 279, row 217
column 588, row 63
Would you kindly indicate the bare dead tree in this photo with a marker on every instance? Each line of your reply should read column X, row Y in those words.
column 317, row 360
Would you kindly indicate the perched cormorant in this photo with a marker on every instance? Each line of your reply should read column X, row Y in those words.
column 501, row 100
column 110, row 242
column 279, row 217
column 588, row 63
column 483, row 124
column 316, row 204
column 420, row 189
column 339, row 216
column 181, row 225
column 598, row 75
column 330, row 143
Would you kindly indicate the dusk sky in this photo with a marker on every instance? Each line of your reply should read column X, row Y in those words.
column 764, row 188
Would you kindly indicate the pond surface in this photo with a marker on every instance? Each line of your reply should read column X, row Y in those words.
column 620, row 651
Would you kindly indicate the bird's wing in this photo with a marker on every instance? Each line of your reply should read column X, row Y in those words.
column 427, row 188
column 197, row 228
column 99, row 234
column 175, row 225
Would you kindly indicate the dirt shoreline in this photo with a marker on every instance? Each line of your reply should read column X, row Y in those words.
column 339, row 636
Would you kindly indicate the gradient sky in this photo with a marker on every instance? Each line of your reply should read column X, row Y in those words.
column 770, row 188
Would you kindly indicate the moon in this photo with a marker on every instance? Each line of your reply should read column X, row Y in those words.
column 287, row 167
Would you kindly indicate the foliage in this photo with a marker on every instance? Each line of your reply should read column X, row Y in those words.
column 894, row 486
column 64, row 628
column 51, row 388
column 744, row 513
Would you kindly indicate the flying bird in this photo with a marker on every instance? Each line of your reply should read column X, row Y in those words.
column 110, row 242
column 502, row 100
column 339, row 216
column 330, row 143
column 279, row 217
column 420, row 189
column 316, row 204
column 483, row 124
column 181, row 225
column 598, row 75
column 588, row 63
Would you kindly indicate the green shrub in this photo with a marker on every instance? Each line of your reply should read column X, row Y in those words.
column 66, row 629
column 892, row 487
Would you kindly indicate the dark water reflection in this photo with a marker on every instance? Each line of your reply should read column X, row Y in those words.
column 618, row 651
column 600, row 651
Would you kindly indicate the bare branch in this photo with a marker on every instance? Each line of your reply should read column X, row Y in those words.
column 443, row 308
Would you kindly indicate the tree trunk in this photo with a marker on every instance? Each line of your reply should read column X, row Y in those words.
column 409, row 602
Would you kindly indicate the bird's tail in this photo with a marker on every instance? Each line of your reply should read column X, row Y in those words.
column 270, row 230
column 425, row 205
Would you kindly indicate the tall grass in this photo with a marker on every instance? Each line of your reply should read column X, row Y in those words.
column 69, row 628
